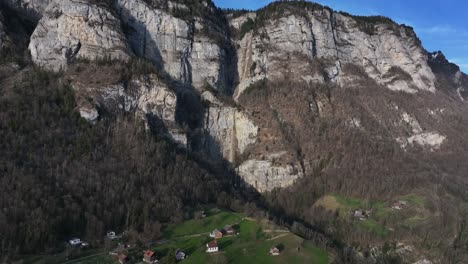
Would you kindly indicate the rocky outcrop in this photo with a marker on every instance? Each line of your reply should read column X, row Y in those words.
column 264, row 175
column 230, row 132
column 154, row 101
column 89, row 113
column 238, row 22
column 175, row 45
column 31, row 9
column 390, row 54
column 449, row 75
column 73, row 29
column 432, row 140
column 192, row 52
column 146, row 96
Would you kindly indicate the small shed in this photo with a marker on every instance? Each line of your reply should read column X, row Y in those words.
column 229, row 230
column 399, row 205
column 361, row 215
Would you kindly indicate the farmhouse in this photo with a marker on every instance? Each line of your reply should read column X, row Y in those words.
column 212, row 246
column 396, row 206
column 274, row 251
column 149, row 257
column 229, row 230
column 399, row 205
column 361, row 215
column 216, row 234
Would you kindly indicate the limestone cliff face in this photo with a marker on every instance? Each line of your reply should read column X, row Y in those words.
column 173, row 44
column 207, row 59
column 146, row 96
column 390, row 54
column 449, row 74
column 72, row 29
column 230, row 130
column 264, row 175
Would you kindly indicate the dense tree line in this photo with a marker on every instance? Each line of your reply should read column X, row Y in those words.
column 63, row 177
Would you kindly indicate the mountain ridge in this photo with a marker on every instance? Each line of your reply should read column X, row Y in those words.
column 290, row 101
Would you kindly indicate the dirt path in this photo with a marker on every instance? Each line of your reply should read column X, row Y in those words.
column 275, row 231
column 276, row 237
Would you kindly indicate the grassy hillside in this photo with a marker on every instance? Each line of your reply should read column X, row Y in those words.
column 251, row 245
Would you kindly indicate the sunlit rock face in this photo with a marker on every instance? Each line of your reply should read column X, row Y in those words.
column 389, row 53
column 71, row 30
column 176, row 45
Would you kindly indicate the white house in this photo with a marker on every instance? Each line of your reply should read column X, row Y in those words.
column 75, row 242
column 212, row 246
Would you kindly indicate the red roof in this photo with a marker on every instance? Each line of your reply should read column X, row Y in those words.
column 122, row 257
column 149, row 253
column 212, row 244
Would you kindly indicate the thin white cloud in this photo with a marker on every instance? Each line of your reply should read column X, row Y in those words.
column 439, row 29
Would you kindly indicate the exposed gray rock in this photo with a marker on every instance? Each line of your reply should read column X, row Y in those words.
column 231, row 130
column 90, row 114
column 239, row 21
column 146, row 96
column 264, row 175
column 392, row 55
column 72, row 29
column 314, row 46
column 173, row 44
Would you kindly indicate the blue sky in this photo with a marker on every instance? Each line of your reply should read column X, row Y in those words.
column 440, row 24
